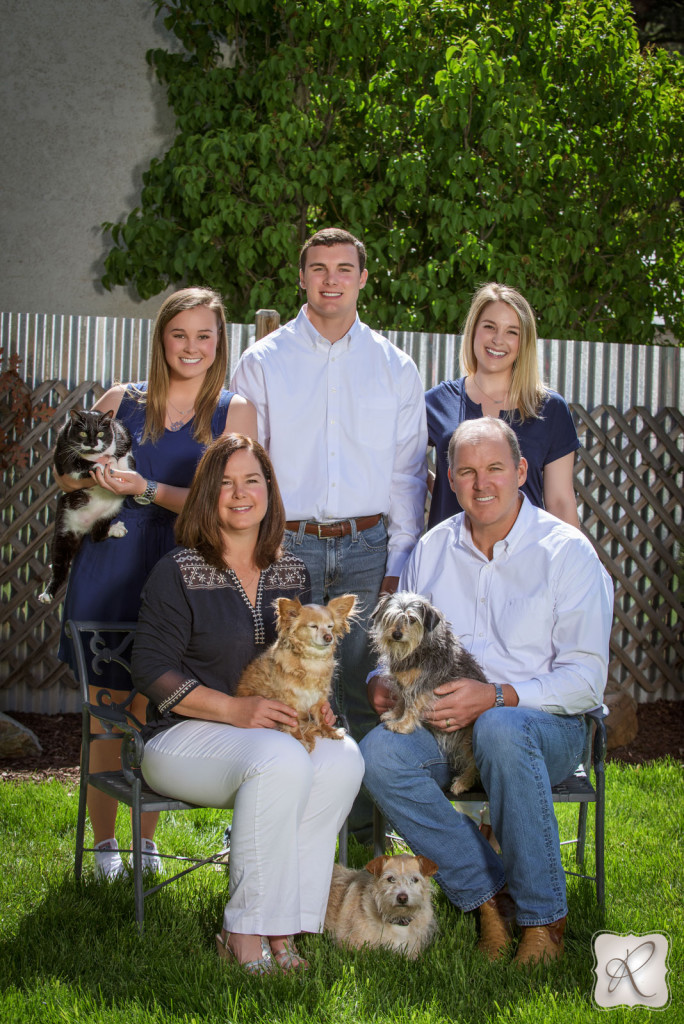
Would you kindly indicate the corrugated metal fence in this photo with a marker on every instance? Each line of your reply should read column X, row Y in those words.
column 106, row 349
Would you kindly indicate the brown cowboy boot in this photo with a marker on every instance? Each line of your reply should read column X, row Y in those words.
column 497, row 916
column 541, row 942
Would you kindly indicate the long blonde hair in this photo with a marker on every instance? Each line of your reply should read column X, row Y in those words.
column 158, row 379
column 526, row 392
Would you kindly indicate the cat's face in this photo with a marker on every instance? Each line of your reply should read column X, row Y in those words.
column 90, row 431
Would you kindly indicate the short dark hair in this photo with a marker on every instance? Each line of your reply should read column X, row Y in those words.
column 482, row 427
column 330, row 237
column 198, row 525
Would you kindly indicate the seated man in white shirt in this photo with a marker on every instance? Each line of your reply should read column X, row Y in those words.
column 342, row 415
column 530, row 600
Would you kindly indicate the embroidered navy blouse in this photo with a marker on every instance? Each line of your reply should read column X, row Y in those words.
column 198, row 627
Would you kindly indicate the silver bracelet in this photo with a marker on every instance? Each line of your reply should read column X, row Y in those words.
column 148, row 495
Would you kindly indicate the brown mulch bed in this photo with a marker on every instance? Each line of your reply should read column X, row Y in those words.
column 661, row 732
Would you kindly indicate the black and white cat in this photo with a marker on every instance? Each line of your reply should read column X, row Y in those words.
column 86, row 439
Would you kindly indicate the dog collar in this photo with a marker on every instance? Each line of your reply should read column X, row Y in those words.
column 403, row 921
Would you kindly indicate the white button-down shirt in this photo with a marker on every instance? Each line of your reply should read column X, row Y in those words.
column 537, row 616
column 344, row 425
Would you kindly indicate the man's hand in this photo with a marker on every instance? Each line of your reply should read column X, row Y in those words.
column 459, row 703
column 381, row 694
column 389, row 585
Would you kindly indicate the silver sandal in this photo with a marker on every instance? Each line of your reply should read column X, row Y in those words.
column 264, row 965
column 288, row 958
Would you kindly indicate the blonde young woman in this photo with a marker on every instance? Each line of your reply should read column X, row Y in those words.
column 172, row 418
column 499, row 359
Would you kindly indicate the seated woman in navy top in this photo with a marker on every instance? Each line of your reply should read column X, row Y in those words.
column 499, row 358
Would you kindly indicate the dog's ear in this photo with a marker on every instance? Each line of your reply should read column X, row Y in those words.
column 384, row 598
column 377, row 865
column 342, row 609
column 431, row 618
column 287, row 611
column 427, row 866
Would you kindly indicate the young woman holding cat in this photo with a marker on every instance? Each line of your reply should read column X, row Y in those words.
column 171, row 418
column 207, row 611
column 499, row 358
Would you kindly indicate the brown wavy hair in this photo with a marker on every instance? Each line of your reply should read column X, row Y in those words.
column 158, row 377
column 330, row 237
column 198, row 524
column 527, row 392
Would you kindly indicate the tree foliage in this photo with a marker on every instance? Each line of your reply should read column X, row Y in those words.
column 528, row 141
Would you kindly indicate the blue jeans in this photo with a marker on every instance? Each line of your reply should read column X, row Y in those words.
column 348, row 565
column 520, row 754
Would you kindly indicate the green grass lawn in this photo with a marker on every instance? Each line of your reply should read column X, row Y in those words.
column 72, row 953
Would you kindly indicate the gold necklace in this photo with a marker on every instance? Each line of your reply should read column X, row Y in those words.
column 242, row 580
column 487, row 395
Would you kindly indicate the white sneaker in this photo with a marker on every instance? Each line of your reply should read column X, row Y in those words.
column 108, row 863
column 151, row 861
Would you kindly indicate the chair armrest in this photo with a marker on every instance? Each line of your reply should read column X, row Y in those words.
column 116, row 717
column 600, row 744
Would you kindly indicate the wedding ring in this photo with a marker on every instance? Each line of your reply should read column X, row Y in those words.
column 448, row 722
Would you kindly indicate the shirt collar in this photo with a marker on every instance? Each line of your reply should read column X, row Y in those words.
column 510, row 541
column 307, row 330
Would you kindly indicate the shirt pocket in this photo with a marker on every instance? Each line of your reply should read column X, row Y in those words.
column 377, row 420
column 526, row 622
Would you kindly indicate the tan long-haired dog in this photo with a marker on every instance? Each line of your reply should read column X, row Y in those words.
column 388, row 903
column 298, row 668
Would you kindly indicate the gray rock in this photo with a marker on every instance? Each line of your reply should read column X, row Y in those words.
column 16, row 740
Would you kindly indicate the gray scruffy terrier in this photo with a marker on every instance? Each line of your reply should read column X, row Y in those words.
column 420, row 652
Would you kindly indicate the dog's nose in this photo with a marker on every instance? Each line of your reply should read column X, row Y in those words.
column 328, row 637
column 402, row 898
column 397, row 634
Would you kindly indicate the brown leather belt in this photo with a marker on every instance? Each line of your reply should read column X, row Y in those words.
column 341, row 529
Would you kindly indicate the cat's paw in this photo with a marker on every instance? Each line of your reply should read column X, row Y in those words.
column 117, row 530
column 45, row 598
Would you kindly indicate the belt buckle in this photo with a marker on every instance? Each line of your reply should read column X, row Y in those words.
column 318, row 530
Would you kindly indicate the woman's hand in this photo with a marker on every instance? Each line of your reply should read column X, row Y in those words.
column 261, row 713
column 328, row 715
column 68, row 484
column 119, row 481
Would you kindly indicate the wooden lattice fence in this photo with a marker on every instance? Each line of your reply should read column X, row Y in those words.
column 629, row 479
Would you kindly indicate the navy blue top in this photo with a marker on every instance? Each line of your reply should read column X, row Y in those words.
column 106, row 578
column 545, row 439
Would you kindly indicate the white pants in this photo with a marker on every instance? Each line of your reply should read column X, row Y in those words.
column 289, row 806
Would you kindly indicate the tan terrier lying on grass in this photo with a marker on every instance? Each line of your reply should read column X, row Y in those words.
column 388, row 903
column 298, row 668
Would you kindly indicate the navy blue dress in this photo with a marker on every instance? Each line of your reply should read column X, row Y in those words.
column 106, row 579
column 545, row 439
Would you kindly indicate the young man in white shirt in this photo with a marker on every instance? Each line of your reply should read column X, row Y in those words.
column 530, row 600
column 341, row 412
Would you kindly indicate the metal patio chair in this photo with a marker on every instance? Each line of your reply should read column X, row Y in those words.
column 105, row 643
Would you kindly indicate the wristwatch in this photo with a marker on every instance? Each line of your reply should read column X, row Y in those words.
column 499, row 699
column 148, row 495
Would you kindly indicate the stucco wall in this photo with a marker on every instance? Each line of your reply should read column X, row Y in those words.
column 82, row 117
